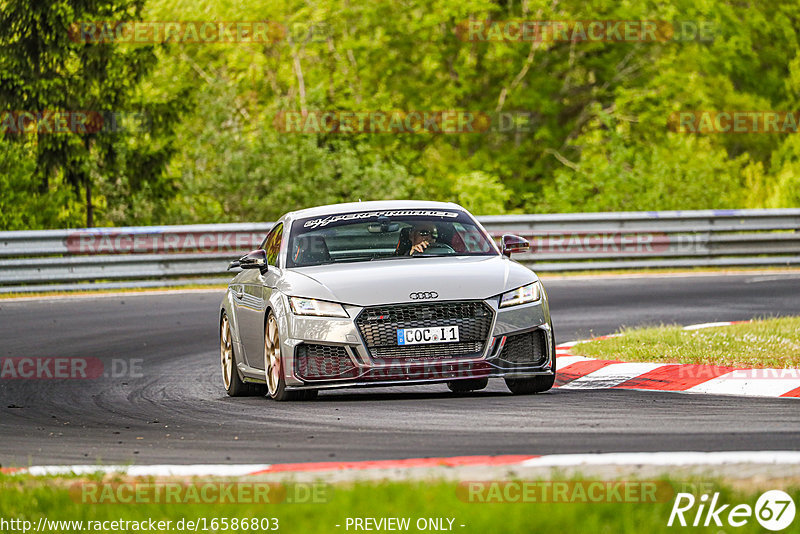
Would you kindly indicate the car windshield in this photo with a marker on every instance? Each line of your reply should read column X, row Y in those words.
column 383, row 235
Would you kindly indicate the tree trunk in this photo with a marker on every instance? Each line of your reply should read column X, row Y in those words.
column 87, row 182
column 89, row 207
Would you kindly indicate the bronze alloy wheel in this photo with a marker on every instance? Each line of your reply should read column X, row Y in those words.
column 226, row 352
column 273, row 366
column 272, row 356
column 233, row 383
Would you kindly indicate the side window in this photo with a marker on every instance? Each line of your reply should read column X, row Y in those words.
column 273, row 244
column 471, row 238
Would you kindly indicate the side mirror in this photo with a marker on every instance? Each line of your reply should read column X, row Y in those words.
column 514, row 243
column 256, row 259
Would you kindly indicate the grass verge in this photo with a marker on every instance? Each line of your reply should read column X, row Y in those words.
column 772, row 343
column 669, row 271
column 30, row 499
column 543, row 275
column 88, row 291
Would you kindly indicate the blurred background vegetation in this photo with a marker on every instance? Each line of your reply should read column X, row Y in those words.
column 211, row 153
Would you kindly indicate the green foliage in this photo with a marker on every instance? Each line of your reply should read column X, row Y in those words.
column 23, row 204
column 619, row 173
column 262, row 178
column 43, row 69
column 480, row 193
column 511, row 506
column 598, row 136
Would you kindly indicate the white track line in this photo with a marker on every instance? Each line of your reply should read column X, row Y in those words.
column 150, row 470
column 553, row 460
column 114, row 294
column 666, row 458
column 566, row 361
column 745, row 382
column 707, row 325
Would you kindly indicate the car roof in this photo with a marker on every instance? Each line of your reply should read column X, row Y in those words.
column 374, row 205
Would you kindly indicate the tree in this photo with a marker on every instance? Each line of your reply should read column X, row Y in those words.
column 44, row 68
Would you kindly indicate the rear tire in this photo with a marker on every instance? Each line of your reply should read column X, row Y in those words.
column 233, row 383
column 467, row 385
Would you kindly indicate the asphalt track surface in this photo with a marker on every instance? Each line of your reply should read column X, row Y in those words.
column 177, row 410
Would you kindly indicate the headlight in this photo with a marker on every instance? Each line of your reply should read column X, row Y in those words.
column 301, row 306
column 523, row 295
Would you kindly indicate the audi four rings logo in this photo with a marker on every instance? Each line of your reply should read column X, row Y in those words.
column 421, row 295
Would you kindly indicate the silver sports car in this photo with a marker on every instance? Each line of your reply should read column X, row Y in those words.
column 383, row 294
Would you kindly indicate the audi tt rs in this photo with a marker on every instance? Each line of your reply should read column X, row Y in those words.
column 383, row 294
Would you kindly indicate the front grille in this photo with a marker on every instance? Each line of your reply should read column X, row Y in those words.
column 524, row 350
column 323, row 362
column 378, row 326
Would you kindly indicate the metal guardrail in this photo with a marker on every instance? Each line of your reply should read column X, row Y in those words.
column 174, row 255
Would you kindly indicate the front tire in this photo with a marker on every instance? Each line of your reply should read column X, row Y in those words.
column 273, row 366
column 534, row 384
column 467, row 385
column 233, row 383
column 527, row 386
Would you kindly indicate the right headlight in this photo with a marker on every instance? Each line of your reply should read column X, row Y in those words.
column 521, row 295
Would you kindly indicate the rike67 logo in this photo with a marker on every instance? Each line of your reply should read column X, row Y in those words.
column 774, row 510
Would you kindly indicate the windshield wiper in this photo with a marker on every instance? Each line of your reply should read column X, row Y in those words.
column 392, row 257
column 348, row 259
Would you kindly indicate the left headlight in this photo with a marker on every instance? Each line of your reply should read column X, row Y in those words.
column 522, row 295
column 320, row 308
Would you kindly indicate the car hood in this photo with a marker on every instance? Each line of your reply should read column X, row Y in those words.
column 393, row 280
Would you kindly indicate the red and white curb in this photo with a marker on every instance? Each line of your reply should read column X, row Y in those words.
column 580, row 372
column 664, row 459
column 262, row 469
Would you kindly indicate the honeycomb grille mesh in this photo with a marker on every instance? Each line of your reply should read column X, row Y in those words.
column 323, row 361
column 525, row 349
column 378, row 326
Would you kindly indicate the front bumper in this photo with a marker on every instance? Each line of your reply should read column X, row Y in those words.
column 323, row 353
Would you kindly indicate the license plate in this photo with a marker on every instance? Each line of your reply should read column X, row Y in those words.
column 433, row 334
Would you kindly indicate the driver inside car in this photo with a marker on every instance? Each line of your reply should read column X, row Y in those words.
column 416, row 239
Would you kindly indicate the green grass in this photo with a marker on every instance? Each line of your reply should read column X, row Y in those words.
column 24, row 497
column 544, row 275
column 772, row 343
column 89, row 291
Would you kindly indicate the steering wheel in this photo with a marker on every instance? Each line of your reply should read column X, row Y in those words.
column 439, row 248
